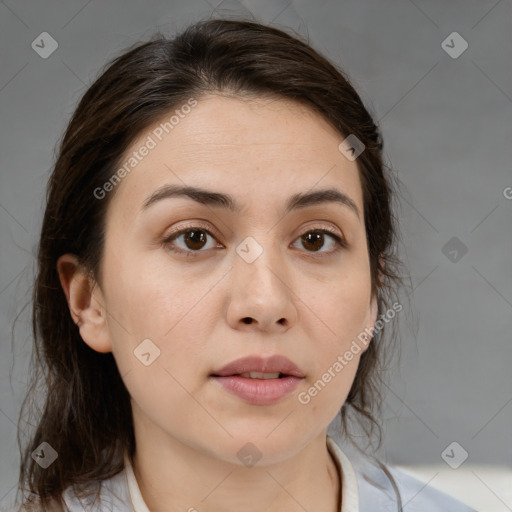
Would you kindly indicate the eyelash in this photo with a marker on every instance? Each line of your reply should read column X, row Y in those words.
column 340, row 242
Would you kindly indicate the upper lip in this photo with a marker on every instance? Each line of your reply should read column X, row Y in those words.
column 273, row 364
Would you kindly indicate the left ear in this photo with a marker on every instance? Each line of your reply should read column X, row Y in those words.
column 373, row 309
column 369, row 322
column 374, row 306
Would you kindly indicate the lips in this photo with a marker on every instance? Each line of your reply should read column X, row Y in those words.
column 259, row 381
column 276, row 364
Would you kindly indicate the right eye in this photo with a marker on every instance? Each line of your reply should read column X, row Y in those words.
column 195, row 238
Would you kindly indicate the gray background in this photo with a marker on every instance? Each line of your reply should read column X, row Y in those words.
column 447, row 131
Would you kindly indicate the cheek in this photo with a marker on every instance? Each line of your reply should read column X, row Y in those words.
column 161, row 397
column 154, row 310
column 339, row 314
column 152, row 297
column 172, row 326
column 338, row 306
column 327, row 387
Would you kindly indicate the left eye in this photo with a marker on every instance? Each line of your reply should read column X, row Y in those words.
column 195, row 240
column 315, row 238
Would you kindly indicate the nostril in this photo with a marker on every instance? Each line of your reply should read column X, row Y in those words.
column 247, row 320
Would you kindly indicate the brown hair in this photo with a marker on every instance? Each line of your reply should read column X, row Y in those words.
column 86, row 416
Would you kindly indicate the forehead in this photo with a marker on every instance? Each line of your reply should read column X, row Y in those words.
column 250, row 147
column 217, row 123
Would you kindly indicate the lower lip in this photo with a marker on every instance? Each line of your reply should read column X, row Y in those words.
column 259, row 391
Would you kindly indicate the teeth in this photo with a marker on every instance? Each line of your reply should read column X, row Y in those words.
column 260, row 375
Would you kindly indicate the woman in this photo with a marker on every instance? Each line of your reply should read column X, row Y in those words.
column 216, row 272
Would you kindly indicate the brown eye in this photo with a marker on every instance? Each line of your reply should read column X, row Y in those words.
column 195, row 239
column 314, row 240
column 192, row 239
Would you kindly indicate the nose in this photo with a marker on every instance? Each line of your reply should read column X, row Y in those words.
column 261, row 294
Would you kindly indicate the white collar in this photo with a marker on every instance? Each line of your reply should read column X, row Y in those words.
column 138, row 503
column 349, row 489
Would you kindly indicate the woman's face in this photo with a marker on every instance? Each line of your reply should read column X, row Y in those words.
column 240, row 282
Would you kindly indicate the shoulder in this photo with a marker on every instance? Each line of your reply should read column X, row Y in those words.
column 54, row 505
column 387, row 489
column 386, row 486
column 418, row 496
column 111, row 494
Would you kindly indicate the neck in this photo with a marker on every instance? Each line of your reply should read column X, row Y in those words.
column 175, row 476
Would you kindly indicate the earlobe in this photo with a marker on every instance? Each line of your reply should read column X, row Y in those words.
column 86, row 304
column 374, row 309
column 370, row 320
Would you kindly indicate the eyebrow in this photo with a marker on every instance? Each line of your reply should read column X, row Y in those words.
column 217, row 199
